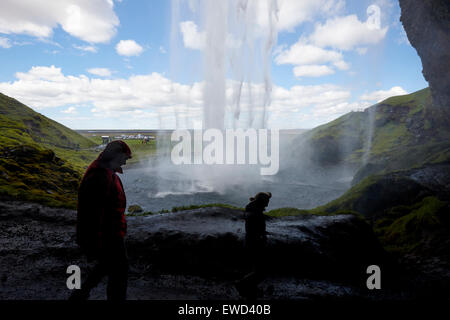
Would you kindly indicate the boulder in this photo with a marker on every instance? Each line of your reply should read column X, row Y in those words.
column 210, row 241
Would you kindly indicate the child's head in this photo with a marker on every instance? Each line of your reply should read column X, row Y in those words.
column 262, row 198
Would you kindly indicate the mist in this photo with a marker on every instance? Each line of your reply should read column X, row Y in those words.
column 236, row 51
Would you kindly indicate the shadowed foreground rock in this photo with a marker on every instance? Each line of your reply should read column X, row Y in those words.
column 209, row 241
column 190, row 255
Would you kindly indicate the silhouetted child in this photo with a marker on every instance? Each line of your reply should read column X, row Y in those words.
column 255, row 243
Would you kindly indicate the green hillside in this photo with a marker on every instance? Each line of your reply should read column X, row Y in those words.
column 42, row 160
column 409, row 133
column 20, row 124
column 402, row 174
column 398, row 133
column 407, row 214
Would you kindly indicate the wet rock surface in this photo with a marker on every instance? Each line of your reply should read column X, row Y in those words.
column 435, row 177
column 195, row 254
column 210, row 241
column 427, row 24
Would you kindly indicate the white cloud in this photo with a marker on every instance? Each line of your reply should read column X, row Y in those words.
column 341, row 65
column 308, row 106
column 162, row 50
column 128, row 48
column 380, row 95
column 346, row 33
column 310, row 60
column 44, row 87
column 153, row 100
column 292, row 13
column 102, row 72
column 361, row 51
column 309, row 55
column 41, row 73
column 285, row 15
column 302, row 53
column 70, row 110
column 89, row 20
column 192, row 38
column 86, row 48
column 312, row 71
column 5, row 43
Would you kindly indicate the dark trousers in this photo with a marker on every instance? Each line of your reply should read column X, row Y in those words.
column 112, row 262
column 248, row 285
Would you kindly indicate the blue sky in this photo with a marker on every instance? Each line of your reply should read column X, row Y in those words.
column 139, row 64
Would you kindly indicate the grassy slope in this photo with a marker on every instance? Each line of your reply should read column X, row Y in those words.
column 21, row 125
column 405, row 215
column 409, row 125
column 404, row 125
column 408, row 133
column 42, row 160
column 333, row 142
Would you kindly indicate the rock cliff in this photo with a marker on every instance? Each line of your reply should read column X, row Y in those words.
column 427, row 24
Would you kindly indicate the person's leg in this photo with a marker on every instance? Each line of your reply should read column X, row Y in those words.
column 247, row 285
column 257, row 274
column 260, row 268
column 118, row 272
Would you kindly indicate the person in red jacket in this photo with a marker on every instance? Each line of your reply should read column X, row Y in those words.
column 101, row 225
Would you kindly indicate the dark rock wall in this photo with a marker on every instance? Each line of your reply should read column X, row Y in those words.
column 427, row 24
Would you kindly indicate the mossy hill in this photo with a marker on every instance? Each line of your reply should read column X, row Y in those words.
column 21, row 125
column 400, row 132
column 41, row 160
column 409, row 214
column 399, row 150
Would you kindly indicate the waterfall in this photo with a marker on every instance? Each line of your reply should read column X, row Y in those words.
column 370, row 131
column 238, row 36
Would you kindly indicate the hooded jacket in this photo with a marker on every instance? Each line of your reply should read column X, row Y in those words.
column 101, row 207
column 255, row 224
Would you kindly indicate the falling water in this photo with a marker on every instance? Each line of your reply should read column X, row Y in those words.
column 238, row 39
column 370, row 131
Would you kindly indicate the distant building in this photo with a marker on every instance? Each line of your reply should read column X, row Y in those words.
column 106, row 139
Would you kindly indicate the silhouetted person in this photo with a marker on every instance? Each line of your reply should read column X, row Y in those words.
column 255, row 243
column 101, row 224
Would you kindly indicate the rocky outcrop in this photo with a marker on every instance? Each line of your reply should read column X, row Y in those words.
column 210, row 241
column 409, row 212
column 190, row 254
column 427, row 24
column 434, row 177
column 373, row 197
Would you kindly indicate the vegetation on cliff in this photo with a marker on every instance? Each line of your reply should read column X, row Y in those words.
column 41, row 160
column 407, row 135
column 399, row 127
